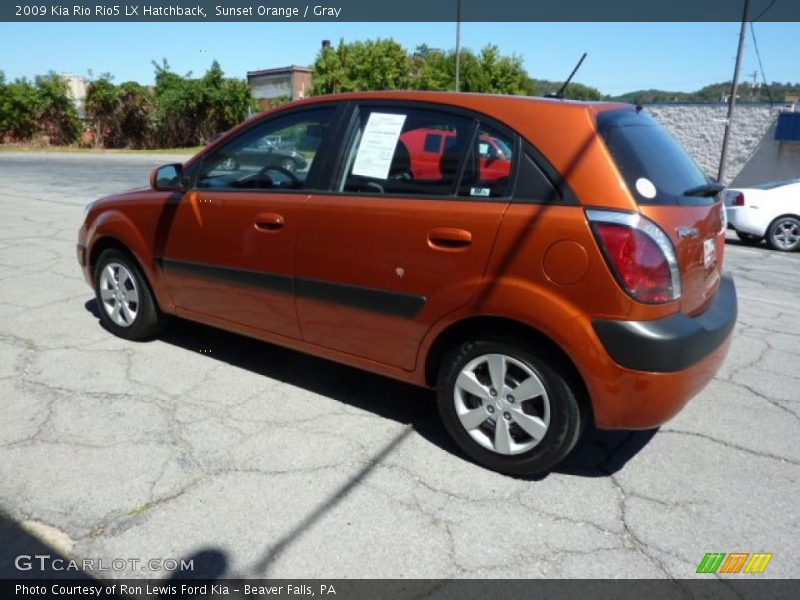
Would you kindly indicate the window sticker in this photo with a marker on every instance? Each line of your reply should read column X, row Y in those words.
column 646, row 188
column 480, row 191
column 483, row 148
column 376, row 150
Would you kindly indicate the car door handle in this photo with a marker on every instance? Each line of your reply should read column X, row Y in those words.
column 269, row 222
column 449, row 238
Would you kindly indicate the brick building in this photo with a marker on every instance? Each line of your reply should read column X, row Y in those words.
column 273, row 86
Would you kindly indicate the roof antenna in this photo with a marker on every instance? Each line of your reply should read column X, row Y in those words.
column 560, row 92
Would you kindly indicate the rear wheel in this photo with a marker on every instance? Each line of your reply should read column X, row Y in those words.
column 749, row 238
column 507, row 408
column 784, row 234
column 127, row 307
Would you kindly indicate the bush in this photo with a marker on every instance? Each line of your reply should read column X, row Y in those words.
column 39, row 108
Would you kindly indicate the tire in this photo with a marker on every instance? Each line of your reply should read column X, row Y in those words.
column 749, row 238
column 784, row 234
column 511, row 449
column 127, row 307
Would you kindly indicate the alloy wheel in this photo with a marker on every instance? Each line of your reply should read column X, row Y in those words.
column 502, row 404
column 786, row 233
column 119, row 294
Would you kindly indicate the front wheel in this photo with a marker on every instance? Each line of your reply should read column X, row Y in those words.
column 784, row 234
column 127, row 307
column 507, row 408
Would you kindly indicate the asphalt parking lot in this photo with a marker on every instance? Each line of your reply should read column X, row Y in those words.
column 258, row 461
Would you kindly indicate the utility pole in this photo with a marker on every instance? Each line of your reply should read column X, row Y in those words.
column 734, row 88
column 458, row 45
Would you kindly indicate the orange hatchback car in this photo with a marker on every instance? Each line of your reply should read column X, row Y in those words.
column 581, row 281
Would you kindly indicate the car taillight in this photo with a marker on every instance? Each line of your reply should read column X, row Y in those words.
column 640, row 255
column 738, row 200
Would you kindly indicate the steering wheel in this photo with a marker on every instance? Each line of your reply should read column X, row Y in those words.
column 372, row 185
column 294, row 178
column 401, row 176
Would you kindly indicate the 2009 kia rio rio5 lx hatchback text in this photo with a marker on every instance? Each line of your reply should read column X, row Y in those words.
column 539, row 262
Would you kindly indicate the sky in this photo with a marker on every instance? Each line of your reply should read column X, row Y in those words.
column 622, row 57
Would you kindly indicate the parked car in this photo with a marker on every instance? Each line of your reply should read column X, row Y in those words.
column 584, row 285
column 768, row 211
column 261, row 154
column 426, row 147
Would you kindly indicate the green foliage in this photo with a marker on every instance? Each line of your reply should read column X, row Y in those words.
column 135, row 121
column 492, row 73
column 19, row 106
column 432, row 69
column 574, row 91
column 39, row 108
column 102, row 103
column 179, row 112
column 57, row 116
column 370, row 65
column 386, row 65
column 191, row 111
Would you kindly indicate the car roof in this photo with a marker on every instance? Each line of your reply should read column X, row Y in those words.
column 472, row 100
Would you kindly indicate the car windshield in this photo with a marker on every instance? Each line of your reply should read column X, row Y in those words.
column 655, row 166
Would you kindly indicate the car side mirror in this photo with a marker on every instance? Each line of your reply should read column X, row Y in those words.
column 168, row 177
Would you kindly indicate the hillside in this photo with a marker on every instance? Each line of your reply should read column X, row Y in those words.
column 716, row 92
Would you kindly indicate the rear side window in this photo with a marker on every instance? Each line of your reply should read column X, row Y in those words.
column 426, row 152
column 655, row 166
column 487, row 173
column 389, row 152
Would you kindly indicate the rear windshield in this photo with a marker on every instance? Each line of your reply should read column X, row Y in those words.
column 655, row 166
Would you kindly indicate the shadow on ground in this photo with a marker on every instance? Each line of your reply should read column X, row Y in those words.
column 598, row 454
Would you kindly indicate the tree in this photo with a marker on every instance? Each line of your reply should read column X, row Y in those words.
column 574, row 91
column 432, row 69
column 102, row 105
column 191, row 111
column 57, row 116
column 386, row 65
column 492, row 73
column 579, row 91
column 371, row 65
column 135, row 115
column 329, row 70
column 19, row 107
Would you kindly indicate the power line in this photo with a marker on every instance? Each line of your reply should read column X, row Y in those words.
column 760, row 65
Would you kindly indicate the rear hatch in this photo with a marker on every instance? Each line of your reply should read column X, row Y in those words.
column 673, row 192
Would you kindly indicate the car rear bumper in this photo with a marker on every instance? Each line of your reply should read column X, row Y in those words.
column 674, row 343
column 745, row 219
column 658, row 366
